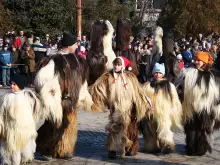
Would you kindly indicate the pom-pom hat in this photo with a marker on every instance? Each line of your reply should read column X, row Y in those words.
column 125, row 63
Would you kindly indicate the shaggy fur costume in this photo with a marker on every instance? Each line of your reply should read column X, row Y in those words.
column 123, row 34
column 61, row 82
column 101, row 54
column 19, row 113
column 201, row 109
column 172, row 69
column 157, row 49
column 167, row 115
column 127, row 107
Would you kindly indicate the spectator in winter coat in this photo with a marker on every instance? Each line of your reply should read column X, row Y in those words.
column 18, row 42
column 82, row 52
column 39, row 50
column 28, row 58
column 5, row 59
column 187, row 56
column 180, row 61
column 53, row 49
column 213, row 52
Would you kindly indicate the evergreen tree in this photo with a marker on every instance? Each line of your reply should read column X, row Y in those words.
column 51, row 16
column 6, row 23
column 191, row 17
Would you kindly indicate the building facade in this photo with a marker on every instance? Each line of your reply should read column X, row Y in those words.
column 149, row 11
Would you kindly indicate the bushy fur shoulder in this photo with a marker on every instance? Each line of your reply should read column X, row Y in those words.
column 201, row 92
column 165, row 102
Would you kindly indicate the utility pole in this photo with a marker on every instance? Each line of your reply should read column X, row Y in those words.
column 79, row 17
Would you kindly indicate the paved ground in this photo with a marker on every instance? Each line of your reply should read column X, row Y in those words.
column 90, row 149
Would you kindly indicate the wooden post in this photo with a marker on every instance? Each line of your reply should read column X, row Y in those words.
column 79, row 18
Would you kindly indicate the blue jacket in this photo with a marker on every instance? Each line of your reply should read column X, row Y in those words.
column 187, row 57
column 5, row 58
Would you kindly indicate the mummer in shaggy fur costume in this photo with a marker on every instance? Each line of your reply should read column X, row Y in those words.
column 61, row 83
column 201, row 108
column 101, row 54
column 123, row 40
column 158, row 128
column 20, row 110
column 121, row 93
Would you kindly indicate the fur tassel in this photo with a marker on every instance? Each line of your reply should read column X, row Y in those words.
column 85, row 100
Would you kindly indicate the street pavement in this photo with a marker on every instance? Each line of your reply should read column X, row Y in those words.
column 90, row 147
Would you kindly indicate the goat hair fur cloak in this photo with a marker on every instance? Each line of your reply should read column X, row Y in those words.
column 127, row 107
column 62, row 85
column 201, row 109
column 166, row 116
column 19, row 113
column 101, row 54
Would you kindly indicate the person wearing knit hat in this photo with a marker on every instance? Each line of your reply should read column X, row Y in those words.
column 166, row 114
column 158, row 71
column 203, row 60
column 20, row 111
column 68, row 43
column 198, row 89
column 121, row 92
column 17, row 83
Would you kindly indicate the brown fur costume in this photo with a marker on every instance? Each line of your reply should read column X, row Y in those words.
column 123, row 34
column 101, row 55
column 167, row 115
column 64, row 74
column 127, row 107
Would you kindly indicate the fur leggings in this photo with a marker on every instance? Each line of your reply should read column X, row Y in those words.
column 199, row 132
column 58, row 142
column 123, row 138
column 19, row 156
column 155, row 139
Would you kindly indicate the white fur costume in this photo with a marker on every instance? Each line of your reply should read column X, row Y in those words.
column 18, row 115
column 166, row 116
column 107, row 44
column 157, row 42
column 46, row 82
column 201, row 109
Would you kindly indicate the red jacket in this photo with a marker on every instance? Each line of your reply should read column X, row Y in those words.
column 80, row 53
column 17, row 42
column 181, row 65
